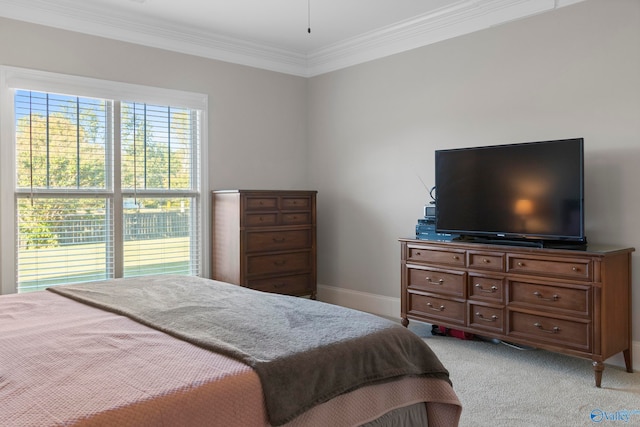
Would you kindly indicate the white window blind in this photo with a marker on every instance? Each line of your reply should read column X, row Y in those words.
column 159, row 186
column 63, row 161
column 100, row 194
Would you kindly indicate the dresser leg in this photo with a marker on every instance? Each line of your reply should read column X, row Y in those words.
column 598, row 367
column 404, row 321
column 628, row 360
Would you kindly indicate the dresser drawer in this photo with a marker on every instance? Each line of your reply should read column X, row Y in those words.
column 264, row 219
column 578, row 268
column 295, row 203
column 486, row 317
column 486, row 261
column 279, row 263
column 436, row 256
column 543, row 329
column 297, row 218
column 301, row 284
column 437, row 281
column 262, row 241
column 562, row 299
column 253, row 203
column 486, row 288
column 436, row 308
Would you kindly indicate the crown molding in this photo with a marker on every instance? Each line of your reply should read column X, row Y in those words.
column 63, row 14
column 462, row 17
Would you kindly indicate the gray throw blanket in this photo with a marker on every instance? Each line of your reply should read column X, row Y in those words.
column 304, row 351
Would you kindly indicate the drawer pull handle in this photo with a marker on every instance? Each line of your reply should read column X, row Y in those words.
column 491, row 290
column 575, row 269
column 439, row 282
column 456, row 257
column 520, row 264
column 280, row 263
column 555, row 329
column 486, row 261
column 491, row 319
column 278, row 239
column 555, row 297
column 441, row 308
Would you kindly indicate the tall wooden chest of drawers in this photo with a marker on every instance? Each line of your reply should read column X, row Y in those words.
column 576, row 302
column 265, row 240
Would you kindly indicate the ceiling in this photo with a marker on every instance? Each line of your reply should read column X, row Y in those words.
column 273, row 34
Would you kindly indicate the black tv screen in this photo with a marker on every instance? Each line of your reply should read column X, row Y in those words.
column 528, row 191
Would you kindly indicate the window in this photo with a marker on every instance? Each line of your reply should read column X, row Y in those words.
column 102, row 186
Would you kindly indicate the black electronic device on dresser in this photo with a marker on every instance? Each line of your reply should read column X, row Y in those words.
column 426, row 227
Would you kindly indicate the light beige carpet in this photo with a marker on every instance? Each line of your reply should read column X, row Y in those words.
column 502, row 386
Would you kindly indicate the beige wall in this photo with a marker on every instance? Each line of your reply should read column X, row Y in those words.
column 257, row 118
column 373, row 129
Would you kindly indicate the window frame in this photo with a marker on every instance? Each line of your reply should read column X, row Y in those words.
column 12, row 78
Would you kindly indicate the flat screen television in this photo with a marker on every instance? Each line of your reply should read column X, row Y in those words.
column 529, row 193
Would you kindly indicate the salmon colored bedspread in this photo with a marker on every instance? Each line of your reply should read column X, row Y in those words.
column 63, row 363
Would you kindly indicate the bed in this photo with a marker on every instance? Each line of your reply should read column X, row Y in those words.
column 187, row 351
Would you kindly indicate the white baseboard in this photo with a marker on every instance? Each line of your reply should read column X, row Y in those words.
column 390, row 307
column 363, row 301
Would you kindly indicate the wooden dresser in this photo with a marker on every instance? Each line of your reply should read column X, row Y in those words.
column 576, row 302
column 265, row 240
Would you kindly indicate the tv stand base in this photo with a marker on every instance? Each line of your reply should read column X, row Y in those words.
column 572, row 302
column 529, row 243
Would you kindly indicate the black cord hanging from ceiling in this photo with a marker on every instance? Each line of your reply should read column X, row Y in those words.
column 309, row 16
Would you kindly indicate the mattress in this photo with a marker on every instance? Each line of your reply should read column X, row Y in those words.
column 67, row 363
